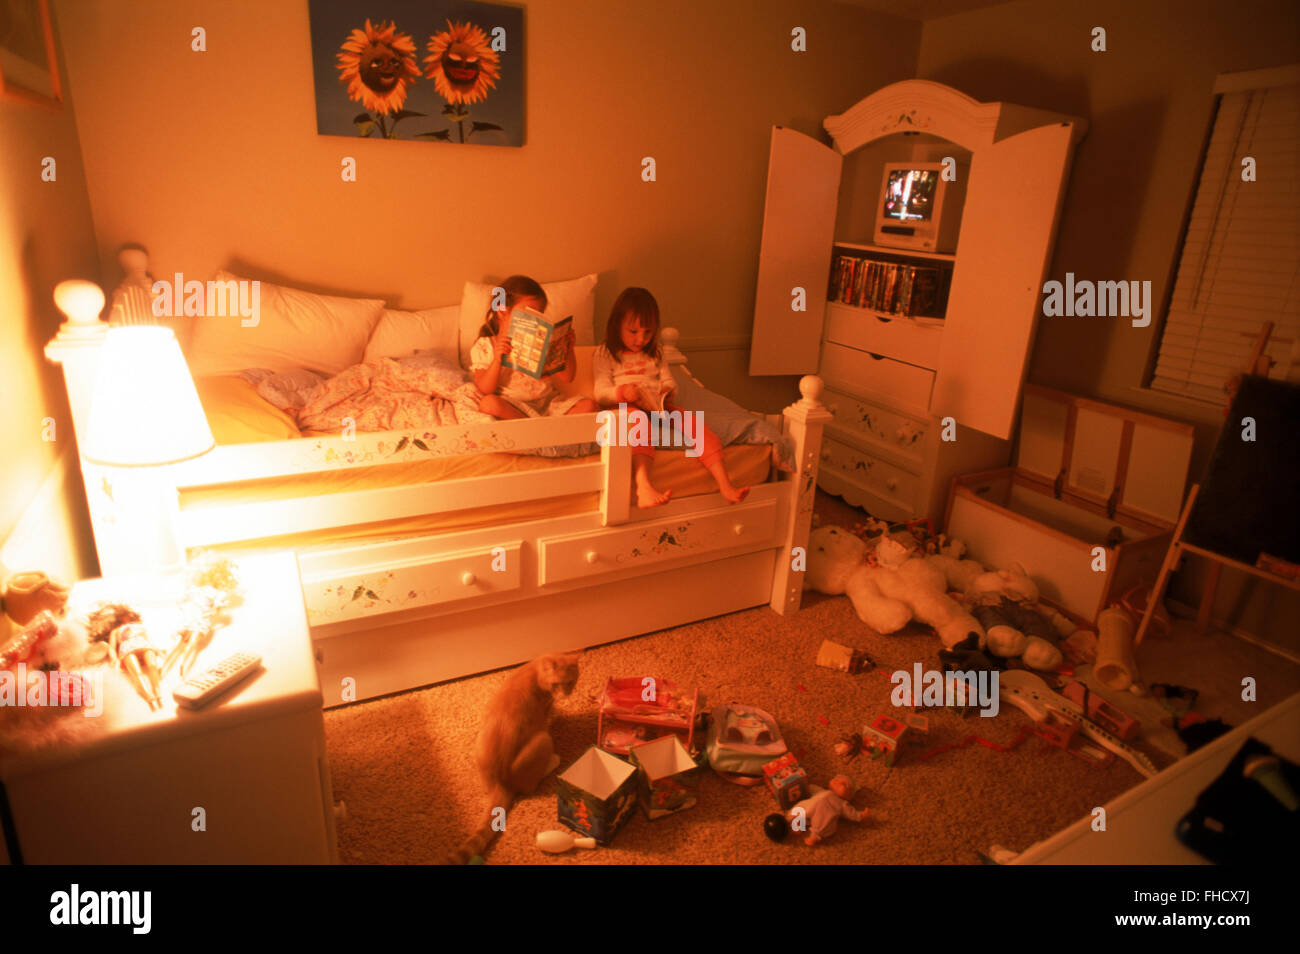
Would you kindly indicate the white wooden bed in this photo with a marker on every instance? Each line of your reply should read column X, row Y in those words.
column 395, row 613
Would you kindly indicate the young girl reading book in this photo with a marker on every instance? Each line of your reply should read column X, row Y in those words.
column 508, row 393
column 629, row 369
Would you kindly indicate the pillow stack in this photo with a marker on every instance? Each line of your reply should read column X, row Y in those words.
column 293, row 329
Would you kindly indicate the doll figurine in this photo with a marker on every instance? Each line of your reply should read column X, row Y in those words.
column 822, row 811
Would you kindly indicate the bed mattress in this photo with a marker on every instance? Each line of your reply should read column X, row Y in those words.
column 238, row 415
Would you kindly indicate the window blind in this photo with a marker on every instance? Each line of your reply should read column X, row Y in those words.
column 1241, row 255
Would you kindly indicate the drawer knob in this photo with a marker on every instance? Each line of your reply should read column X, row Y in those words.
column 468, row 578
column 738, row 529
column 592, row 556
column 320, row 655
column 892, row 483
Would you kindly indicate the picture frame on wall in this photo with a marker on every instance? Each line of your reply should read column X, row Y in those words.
column 29, row 67
column 448, row 71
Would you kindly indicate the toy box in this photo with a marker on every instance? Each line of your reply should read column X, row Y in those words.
column 786, row 780
column 668, row 780
column 1091, row 480
column 596, row 794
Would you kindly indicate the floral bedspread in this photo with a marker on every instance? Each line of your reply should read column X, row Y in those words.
column 386, row 395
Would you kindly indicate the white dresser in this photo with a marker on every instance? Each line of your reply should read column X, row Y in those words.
column 916, row 402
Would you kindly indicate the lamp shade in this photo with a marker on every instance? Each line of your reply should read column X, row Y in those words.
column 144, row 411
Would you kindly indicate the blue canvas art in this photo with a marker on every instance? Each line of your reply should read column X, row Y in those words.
column 414, row 69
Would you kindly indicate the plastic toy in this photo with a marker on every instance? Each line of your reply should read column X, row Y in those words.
column 1100, row 711
column 557, row 842
column 1027, row 692
column 776, row 827
column 820, row 814
column 849, row 747
column 638, row 709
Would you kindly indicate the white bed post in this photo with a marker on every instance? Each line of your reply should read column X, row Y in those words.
column 804, row 421
column 76, row 348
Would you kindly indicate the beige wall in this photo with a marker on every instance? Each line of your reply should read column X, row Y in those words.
column 213, row 159
column 1148, row 102
column 45, row 237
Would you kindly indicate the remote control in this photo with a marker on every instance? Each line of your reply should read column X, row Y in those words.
column 199, row 690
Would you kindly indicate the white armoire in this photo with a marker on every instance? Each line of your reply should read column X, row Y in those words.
column 917, row 400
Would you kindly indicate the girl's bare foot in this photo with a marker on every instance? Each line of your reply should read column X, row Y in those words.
column 811, row 840
column 719, row 472
column 732, row 495
column 647, row 496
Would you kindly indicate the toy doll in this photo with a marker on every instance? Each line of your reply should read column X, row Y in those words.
column 821, row 812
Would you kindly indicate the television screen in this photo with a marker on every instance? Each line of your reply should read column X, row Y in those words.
column 909, row 194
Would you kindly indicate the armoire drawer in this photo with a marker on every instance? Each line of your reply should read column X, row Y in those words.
column 892, row 336
column 902, row 434
column 887, row 480
column 578, row 555
column 874, row 376
column 387, row 588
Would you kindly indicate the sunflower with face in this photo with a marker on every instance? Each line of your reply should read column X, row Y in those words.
column 378, row 65
column 462, row 64
column 464, row 67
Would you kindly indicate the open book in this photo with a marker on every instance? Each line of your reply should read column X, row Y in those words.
column 533, row 348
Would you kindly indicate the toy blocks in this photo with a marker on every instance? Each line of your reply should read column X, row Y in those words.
column 786, row 779
column 882, row 738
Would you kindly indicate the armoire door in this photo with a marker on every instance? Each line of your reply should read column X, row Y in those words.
column 1013, row 201
column 803, row 184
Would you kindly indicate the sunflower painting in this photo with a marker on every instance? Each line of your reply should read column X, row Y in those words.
column 419, row 69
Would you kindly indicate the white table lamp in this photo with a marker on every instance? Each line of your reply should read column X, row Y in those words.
column 145, row 415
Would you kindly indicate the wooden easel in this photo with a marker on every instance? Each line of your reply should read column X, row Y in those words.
column 1258, row 364
column 1177, row 547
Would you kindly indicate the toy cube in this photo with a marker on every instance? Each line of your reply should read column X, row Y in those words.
column 597, row 794
column 882, row 738
column 668, row 779
column 786, row 780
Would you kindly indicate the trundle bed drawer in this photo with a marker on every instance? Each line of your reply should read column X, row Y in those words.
column 893, row 337
column 332, row 596
column 883, row 478
column 875, row 376
column 572, row 557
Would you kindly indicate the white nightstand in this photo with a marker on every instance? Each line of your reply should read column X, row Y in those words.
column 253, row 760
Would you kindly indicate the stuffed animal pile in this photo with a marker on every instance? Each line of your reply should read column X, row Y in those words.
column 898, row 586
column 897, row 583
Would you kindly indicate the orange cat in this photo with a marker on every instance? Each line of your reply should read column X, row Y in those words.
column 514, row 751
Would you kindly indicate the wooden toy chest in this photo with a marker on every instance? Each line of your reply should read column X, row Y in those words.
column 1087, row 475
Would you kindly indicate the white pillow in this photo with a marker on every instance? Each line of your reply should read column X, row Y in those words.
column 400, row 334
column 294, row 329
column 575, row 297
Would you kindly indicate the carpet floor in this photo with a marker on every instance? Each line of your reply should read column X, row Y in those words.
column 403, row 763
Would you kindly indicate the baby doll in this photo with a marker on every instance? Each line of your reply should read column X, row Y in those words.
column 823, row 809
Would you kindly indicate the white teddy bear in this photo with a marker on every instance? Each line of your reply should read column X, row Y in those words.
column 902, row 587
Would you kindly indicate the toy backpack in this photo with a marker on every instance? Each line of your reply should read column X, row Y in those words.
column 741, row 740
